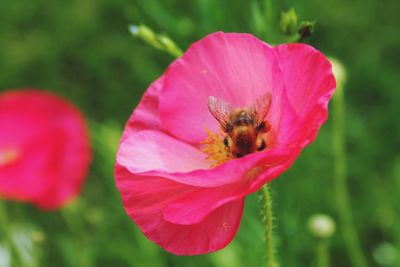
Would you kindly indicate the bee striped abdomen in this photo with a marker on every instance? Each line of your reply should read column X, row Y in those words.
column 244, row 141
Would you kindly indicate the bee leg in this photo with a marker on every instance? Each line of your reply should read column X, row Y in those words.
column 226, row 142
column 261, row 145
column 263, row 127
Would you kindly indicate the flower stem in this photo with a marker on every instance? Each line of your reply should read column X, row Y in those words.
column 6, row 234
column 268, row 223
column 323, row 254
column 352, row 242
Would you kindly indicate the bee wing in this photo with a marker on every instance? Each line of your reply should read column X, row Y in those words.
column 220, row 110
column 261, row 107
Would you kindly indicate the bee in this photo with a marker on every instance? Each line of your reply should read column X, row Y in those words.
column 245, row 128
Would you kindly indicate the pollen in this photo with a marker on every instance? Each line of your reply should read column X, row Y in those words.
column 8, row 156
column 215, row 149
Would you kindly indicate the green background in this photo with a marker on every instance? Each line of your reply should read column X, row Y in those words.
column 83, row 51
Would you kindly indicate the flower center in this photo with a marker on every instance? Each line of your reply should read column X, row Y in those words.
column 8, row 156
column 214, row 147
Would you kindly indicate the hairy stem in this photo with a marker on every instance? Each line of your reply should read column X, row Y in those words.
column 268, row 223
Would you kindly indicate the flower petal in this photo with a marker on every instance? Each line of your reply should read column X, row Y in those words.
column 72, row 157
column 309, row 85
column 233, row 67
column 145, row 198
column 51, row 142
column 154, row 150
column 193, row 207
column 19, row 179
column 146, row 114
column 153, row 153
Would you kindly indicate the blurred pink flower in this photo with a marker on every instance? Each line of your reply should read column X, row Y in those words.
column 177, row 197
column 44, row 148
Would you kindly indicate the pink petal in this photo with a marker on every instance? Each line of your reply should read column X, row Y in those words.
column 72, row 157
column 144, row 200
column 309, row 85
column 19, row 179
column 195, row 206
column 146, row 114
column 153, row 153
column 153, row 150
column 236, row 68
column 273, row 172
column 51, row 139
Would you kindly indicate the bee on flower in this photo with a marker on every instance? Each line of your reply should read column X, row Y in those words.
column 231, row 114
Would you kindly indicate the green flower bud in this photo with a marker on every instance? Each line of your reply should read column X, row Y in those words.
column 169, row 45
column 144, row 33
column 288, row 22
column 321, row 226
column 157, row 41
column 306, row 29
column 385, row 254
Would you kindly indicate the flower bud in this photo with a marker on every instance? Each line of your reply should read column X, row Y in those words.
column 169, row 45
column 145, row 33
column 321, row 226
column 157, row 41
column 385, row 254
column 289, row 22
column 306, row 29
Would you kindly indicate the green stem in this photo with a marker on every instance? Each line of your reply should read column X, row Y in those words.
column 268, row 222
column 5, row 230
column 352, row 242
column 323, row 254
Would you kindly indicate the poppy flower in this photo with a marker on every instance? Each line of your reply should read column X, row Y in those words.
column 178, row 181
column 44, row 148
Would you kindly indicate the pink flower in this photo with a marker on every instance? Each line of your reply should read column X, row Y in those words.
column 44, row 148
column 180, row 199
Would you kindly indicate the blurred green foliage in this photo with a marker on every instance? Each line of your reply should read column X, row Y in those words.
column 83, row 51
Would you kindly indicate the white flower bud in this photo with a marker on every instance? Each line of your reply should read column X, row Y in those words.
column 321, row 226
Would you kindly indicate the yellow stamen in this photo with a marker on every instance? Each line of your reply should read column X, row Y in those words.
column 215, row 149
column 8, row 156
